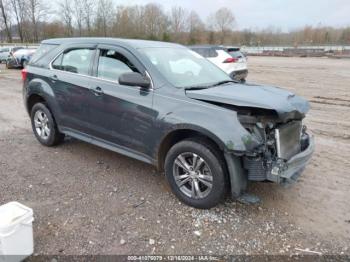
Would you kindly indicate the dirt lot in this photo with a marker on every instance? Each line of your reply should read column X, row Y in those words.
column 88, row 200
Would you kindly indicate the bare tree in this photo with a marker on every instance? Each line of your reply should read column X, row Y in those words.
column 88, row 10
column 19, row 9
column 136, row 15
column 150, row 21
column 66, row 12
column 123, row 24
column 223, row 21
column 155, row 21
column 178, row 16
column 104, row 16
column 54, row 29
column 79, row 15
column 5, row 18
column 36, row 11
column 195, row 27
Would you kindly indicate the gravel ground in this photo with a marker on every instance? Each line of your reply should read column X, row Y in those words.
column 88, row 200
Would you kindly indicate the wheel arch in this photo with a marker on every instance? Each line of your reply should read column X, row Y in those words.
column 237, row 178
column 39, row 90
column 180, row 134
column 34, row 99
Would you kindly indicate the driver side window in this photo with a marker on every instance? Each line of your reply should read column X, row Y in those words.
column 112, row 64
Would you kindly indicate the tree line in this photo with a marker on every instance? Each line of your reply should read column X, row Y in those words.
column 34, row 20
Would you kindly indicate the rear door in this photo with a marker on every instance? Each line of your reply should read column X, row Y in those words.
column 70, row 77
column 120, row 115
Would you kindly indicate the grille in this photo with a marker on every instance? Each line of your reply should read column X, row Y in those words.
column 288, row 139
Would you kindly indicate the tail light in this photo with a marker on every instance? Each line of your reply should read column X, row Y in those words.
column 24, row 74
column 231, row 60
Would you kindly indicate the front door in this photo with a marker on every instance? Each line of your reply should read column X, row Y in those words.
column 120, row 115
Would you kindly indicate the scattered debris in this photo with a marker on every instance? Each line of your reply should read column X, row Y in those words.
column 152, row 241
column 197, row 233
column 122, row 241
column 139, row 204
column 308, row 251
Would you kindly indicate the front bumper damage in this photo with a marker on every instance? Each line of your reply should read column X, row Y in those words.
column 289, row 171
column 283, row 172
column 279, row 170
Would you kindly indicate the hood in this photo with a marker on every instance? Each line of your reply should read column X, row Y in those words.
column 286, row 104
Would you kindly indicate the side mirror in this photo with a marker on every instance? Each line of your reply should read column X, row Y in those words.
column 134, row 79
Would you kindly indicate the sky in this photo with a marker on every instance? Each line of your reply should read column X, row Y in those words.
column 258, row 14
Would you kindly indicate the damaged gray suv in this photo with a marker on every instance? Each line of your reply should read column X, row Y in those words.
column 166, row 105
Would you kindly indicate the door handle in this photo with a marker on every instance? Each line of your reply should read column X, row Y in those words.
column 97, row 91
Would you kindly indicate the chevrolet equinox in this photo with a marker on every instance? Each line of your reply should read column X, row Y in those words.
column 166, row 105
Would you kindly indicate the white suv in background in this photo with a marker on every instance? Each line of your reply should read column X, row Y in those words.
column 5, row 52
column 229, row 59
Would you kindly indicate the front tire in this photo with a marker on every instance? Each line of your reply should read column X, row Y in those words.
column 44, row 126
column 196, row 173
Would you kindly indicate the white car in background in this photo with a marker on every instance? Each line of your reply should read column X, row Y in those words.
column 5, row 52
column 229, row 59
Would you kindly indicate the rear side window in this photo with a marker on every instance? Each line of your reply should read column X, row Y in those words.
column 212, row 53
column 17, row 48
column 74, row 61
column 112, row 64
column 202, row 51
column 206, row 52
column 236, row 54
column 41, row 51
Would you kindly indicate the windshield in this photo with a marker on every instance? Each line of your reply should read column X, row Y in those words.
column 184, row 68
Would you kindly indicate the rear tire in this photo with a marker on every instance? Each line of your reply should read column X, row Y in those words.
column 24, row 63
column 44, row 126
column 196, row 173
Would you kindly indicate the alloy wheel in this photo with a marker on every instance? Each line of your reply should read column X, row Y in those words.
column 42, row 125
column 192, row 175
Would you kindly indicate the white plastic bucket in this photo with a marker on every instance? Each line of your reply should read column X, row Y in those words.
column 16, row 232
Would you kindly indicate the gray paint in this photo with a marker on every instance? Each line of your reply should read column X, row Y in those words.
column 281, row 101
column 135, row 121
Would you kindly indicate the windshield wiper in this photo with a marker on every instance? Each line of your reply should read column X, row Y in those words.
column 211, row 85
column 225, row 82
column 196, row 87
